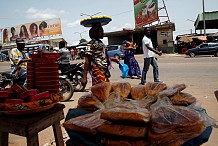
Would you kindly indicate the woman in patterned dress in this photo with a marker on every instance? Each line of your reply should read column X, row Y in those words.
column 96, row 61
column 129, row 58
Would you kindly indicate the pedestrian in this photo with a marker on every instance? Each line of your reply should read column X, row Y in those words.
column 149, row 57
column 65, row 56
column 2, row 58
column 96, row 61
column 129, row 58
column 18, row 60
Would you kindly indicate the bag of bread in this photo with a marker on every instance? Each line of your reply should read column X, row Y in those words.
column 112, row 129
column 153, row 88
column 89, row 102
column 138, row 92
column 123, row 114
column 101, row 90
column 183, row 98
column 86, row 123
column 123, row 88
column 173, row 124
column 117, row 142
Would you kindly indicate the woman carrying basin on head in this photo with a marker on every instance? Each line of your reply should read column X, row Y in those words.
column 129, row 58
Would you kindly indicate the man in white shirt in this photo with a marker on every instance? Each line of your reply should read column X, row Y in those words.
column 149, row 57
column 65, row 55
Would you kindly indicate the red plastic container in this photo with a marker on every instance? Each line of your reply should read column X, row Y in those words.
column 39, row 96
column 18, row 89
column 34, row 55
column 55, row 55
column 28, row 93
column 46, row 65
column 14, row 101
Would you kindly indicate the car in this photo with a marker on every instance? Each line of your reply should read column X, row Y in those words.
column 204, row 49
column 115, row 51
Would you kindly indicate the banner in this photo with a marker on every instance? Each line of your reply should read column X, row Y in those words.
column 35, row 30
column 146, row 11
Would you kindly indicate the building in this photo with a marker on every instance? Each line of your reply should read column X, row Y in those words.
column 162, row 36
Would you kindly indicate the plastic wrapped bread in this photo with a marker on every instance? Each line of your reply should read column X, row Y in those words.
column 86, row 123
column 122, row 130
column 121, row 114
column 101, row 90
column 123, row 88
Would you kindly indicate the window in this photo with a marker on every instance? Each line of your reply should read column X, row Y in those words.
column 110, row 48
column 164, row 41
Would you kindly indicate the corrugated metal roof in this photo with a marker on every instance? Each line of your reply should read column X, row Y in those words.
column 211, row 20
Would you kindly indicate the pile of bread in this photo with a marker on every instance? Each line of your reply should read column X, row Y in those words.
column 150, row 114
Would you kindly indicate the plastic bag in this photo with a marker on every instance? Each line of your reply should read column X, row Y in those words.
column 173, row 124
column 124, row 69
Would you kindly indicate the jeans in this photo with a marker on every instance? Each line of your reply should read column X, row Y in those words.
column 147, row 62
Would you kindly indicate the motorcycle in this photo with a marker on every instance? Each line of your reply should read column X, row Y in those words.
column 74, row 73
column 65, row 86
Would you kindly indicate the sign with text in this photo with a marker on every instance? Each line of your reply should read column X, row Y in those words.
column 35, row 30
column 146, row 11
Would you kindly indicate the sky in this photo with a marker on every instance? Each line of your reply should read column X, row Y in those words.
column 17, row 12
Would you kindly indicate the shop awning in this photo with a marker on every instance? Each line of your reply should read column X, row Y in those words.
column 211, row 20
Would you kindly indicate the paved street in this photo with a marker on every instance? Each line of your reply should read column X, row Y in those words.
column 200, row 74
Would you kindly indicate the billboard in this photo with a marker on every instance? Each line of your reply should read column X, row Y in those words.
column 146, row 11
column 35, row 30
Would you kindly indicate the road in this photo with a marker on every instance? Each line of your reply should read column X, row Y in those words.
column 200, row 74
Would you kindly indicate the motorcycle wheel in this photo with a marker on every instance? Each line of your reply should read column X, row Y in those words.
column 76, row 81
column 66, row 89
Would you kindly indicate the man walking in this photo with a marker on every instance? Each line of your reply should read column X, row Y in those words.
column 149, row 57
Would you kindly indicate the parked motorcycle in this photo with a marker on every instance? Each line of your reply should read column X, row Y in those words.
column 65, row 86
column 74, row 73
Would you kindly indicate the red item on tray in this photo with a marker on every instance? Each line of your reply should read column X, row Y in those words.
column 34, row 55
column 46, row 69
column 55, row 55
column 44, row 60
column 6, row 94
column 46, row 65
column 48, row 78
column 46, row 74
column 39, row 96
column 51, row 82
column 14, row 101
column 28, row 94
column 18, row 88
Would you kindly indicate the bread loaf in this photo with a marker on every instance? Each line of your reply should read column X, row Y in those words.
column 182, row 98
column 101, row 90
column 152, row 89
column 112, row 142
column 86, row 123
column 123, row 88
column 179, row 87
column 89, row 102
column 138, row 92
column 126, row 115
column 122, row 130
column 174, row 124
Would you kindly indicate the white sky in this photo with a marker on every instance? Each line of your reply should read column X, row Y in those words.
column 17, row 12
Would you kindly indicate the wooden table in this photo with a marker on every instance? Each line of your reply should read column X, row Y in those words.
column 30, row 125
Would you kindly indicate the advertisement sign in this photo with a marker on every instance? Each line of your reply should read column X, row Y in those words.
column 35, row 30
column 146, row 11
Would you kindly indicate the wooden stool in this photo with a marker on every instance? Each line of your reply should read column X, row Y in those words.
column 30, row 125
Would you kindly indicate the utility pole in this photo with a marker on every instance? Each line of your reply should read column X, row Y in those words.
column 204, row 18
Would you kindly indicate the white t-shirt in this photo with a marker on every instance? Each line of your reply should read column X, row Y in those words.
column 147, row 42
column 66, row 54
